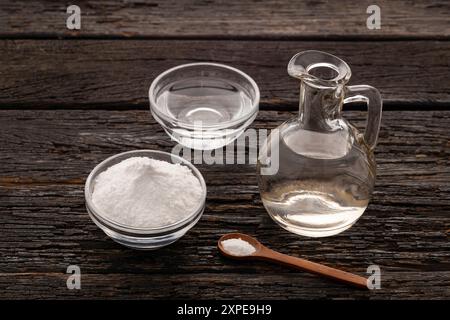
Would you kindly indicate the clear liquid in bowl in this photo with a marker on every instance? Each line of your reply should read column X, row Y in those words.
column 204, row 101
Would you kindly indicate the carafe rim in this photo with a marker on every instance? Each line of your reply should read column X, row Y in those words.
column 303, row 63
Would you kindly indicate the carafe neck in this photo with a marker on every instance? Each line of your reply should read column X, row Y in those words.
column 318, row 106
column 322, row 80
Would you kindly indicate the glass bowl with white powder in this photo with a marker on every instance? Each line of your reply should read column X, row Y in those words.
column 145, row 199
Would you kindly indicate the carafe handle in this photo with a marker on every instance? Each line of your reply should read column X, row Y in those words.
column 371, row 96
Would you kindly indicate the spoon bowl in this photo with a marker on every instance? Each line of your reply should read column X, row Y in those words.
column 255, row 243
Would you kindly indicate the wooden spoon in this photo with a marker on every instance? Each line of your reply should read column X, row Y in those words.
column 266, row 254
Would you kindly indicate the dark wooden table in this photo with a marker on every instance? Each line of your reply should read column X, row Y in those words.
column 69, row 99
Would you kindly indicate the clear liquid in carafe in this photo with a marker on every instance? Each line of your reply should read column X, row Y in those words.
column 321, row 189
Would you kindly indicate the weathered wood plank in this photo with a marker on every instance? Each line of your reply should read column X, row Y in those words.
column 86, row 73
column 395, row 285
column 46, row 155
column 84, row 138
column 227, row 19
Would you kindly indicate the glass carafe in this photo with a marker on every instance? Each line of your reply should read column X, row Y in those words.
column 316, row 172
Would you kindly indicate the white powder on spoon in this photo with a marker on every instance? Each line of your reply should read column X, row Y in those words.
column 238, row 247
column 144, row 192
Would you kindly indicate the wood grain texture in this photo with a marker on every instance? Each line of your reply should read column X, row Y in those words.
column 227, row 19
column 45, row 156
column 86, row 73
column 272, row 285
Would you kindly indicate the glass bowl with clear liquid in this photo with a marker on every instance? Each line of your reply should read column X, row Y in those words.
column 204, row 105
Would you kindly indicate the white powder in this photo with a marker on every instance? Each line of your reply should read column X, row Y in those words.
column 144, row 192
column 238, row 247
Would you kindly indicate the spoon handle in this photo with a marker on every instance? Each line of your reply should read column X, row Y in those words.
column 316, row 268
